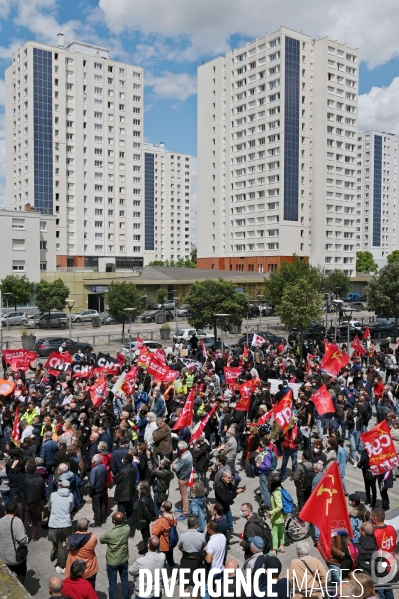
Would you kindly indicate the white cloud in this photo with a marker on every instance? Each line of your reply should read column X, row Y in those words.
column 39, row 16
column 178, row 86
column 206, row 25
column 379, row 109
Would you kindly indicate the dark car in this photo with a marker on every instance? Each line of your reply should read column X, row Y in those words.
column 151, row 315
column 266, row 335
column 46, row 345
column 255, row 310
column 342, row 333
column 381, row 330
column 107, row 319
column 316, row 332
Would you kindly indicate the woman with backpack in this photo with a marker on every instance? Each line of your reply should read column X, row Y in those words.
column 165, row 529
column 276, row 516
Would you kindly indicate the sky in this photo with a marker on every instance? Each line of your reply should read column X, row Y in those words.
column 170, row 38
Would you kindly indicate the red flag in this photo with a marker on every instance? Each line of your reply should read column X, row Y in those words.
column 230, row 374
column 334, row 360
column 139, row 343
column 322, row 401
column 245, row 352
column 380, row 448
column 161, row 371
column 203, row 348
column 186, row 417
column 145, row 358
column 58, row 362
column 358, row 345
column 6, row 387
column 246, row 390
column 15, row 427
column 81, row 371
column 257, row 340
column 160, row 355
column 366, row 334
column 120, row 357
column 19, row 358
column 263, row 419
column 282, row 411
column 191, row 479
column 327, row 509
column 98, row 392
column 201, row 427
column 128, row 386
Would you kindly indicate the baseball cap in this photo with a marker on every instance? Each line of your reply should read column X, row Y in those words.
column 257, row 541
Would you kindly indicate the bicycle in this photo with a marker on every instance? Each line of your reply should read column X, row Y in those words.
column 295, row 529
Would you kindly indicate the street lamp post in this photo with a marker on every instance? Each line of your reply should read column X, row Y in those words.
column 70, row 304
column 262, row 297
column 130, row 311
column 7, row 299
column 221, row 331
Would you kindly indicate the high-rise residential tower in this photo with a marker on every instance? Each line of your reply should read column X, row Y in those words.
column 277, row 122
column 74, row 135
column 376, row 227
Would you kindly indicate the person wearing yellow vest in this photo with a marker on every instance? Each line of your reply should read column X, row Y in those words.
column 182, row 387
column 30, row 413
column 189, row 380
column 47, row 422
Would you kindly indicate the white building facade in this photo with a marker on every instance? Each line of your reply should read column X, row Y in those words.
column 376, row 231
column 167, row 202
column 28, row 248
column 74, row 134
column 265, row 139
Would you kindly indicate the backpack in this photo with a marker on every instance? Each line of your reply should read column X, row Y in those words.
column 269, row 462
column 307, row 482
column 288, row 502
column 173, row 537
column 34, row 489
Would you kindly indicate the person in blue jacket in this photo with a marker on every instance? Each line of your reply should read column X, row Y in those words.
column 198, row 505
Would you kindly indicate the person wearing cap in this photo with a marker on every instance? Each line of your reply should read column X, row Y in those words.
column 60, row 505
column 256, row 545
column 117, row 556
column 356, row 514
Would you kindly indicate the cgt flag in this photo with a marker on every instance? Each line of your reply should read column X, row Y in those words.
column 201, row 426
column 231, row 374
column 98, row 392
column 186, row 417
column 322, row 401
column 161, row 371
column 380, row 449
column 358, row 345
column 19, row 358
column 334, row 359
column 327, row 509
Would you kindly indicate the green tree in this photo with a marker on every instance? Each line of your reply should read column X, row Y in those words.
column 287, row 275
column 394, row 257
column 299, row 305
column 365, row 262
column 193, row 255
column 337, row 282
column 19, row 287
column 161, row 295
column 209, row 297
column 156, row 263
column 124, row 295
column 383, row 292
column 51, row 296
column 180, row 263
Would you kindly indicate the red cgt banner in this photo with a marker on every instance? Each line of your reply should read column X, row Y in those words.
column 231, row 374
column 160, row 371
column 380, row 449
column 19, row 358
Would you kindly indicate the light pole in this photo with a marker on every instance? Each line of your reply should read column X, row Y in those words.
column 8, row 299
column 262, row 297
column 130, row 311
column 175, row 298
column 70, row 304
column 221, row 330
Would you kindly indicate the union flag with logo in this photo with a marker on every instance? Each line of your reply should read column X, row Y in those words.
column 282, row 411
column 380, row 449
column 334, row 359
column 358, row 346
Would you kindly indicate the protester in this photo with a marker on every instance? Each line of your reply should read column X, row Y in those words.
column 152, row 561
column 76, row 586
column 182, row 467
column 12, row 534
column 82, row 545
column 117, row 556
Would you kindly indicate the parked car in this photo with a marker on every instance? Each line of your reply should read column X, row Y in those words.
column 53, row 320
column 256, row 309
column 46, row 345
column 352, row 297
column 84, row 316
column 186, row 334
column 150, row 315
column 170, row 305
column 354, row 323
column 342, row 333
column 182, row 311
column 151, row 346
column 266, row 335
column 357, row 305
column 15, row 318
column 316, row 332
column 381, row 330
column 107, row 319
column 380, row 318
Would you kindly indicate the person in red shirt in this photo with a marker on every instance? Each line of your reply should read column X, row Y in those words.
column 385, row 534
column 75, row 586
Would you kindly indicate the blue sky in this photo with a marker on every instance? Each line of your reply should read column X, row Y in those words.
column 169, row 38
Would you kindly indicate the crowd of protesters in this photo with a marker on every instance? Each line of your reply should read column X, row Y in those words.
column 63, row 451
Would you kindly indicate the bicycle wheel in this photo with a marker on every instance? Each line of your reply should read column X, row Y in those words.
column 295, row 531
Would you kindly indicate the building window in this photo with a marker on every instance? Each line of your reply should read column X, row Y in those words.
column 18, row 223
column 377, row 191
column 43, row 265
column 149, row 201
column 18, row 265
column 18, row 244
column 291, row 124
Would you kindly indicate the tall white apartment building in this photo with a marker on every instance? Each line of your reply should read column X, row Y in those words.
column 273, row 123
column 376, row 230
column 74, row 134
column 167, row 202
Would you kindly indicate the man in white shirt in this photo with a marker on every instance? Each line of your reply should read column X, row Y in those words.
column 215, row 552
column 27, row 430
